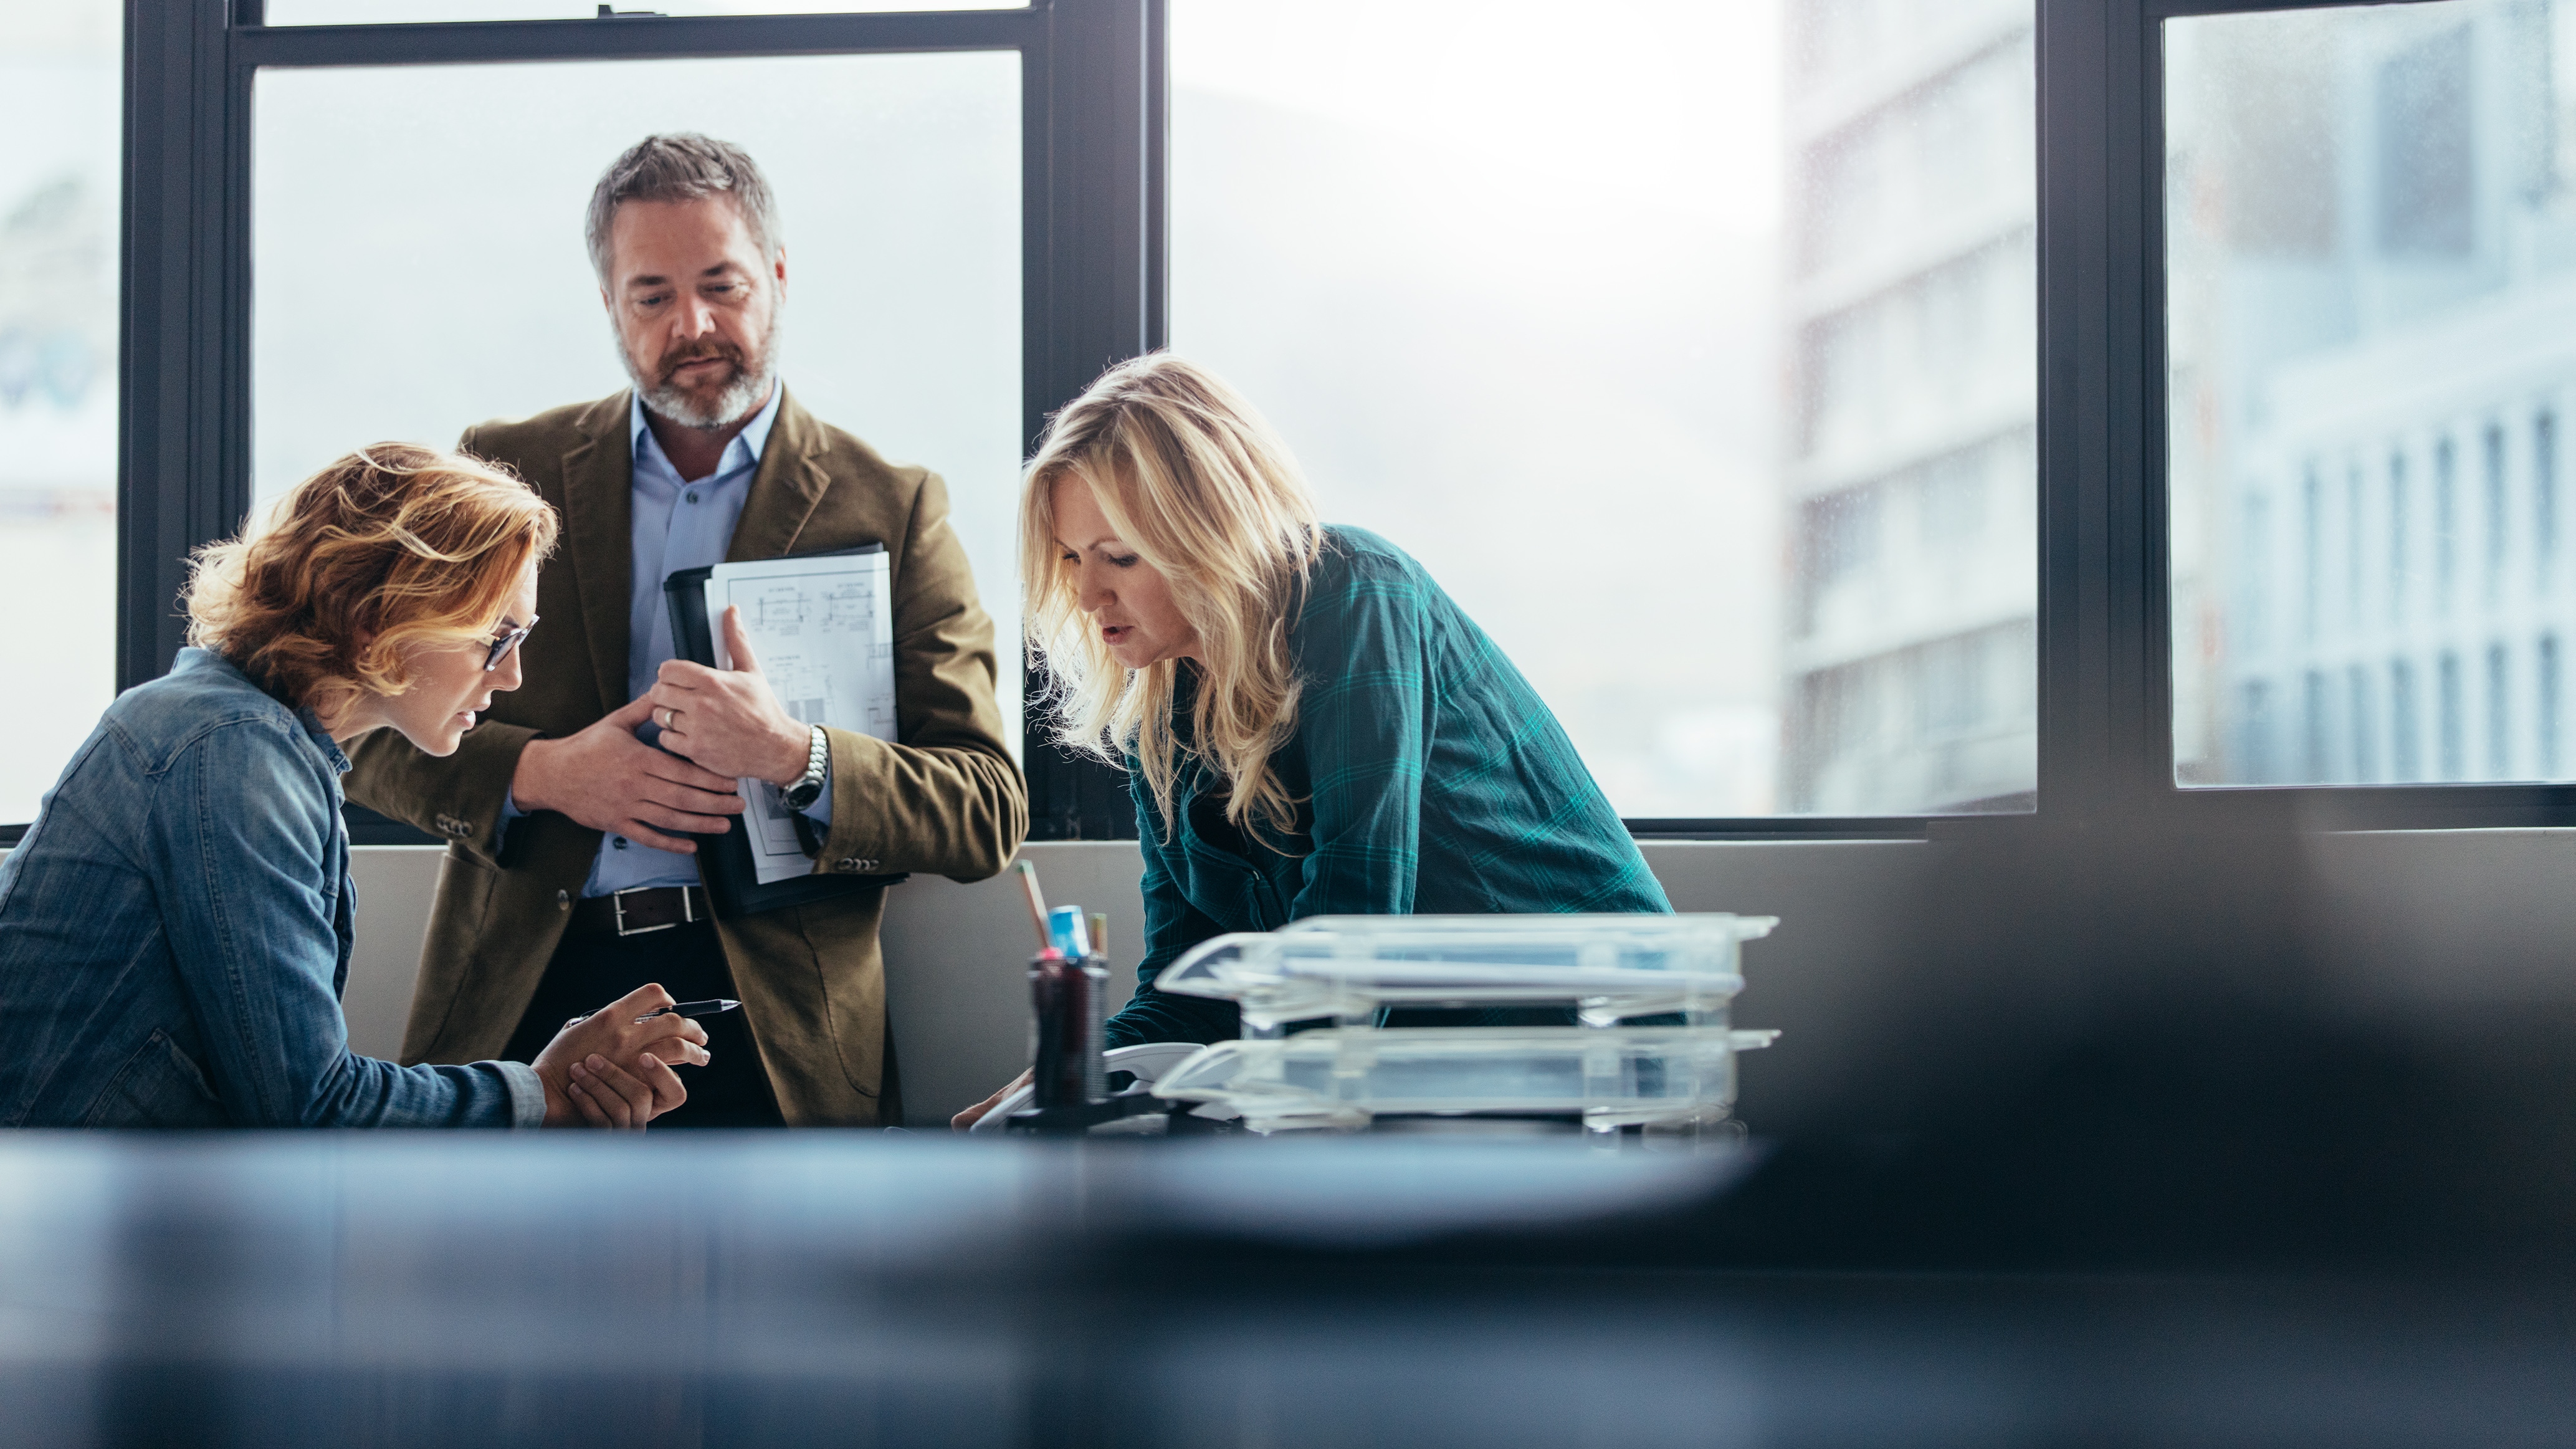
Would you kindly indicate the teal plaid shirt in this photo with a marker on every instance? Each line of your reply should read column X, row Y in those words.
column 1435, row 781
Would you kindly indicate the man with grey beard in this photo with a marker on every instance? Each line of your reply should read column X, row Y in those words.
column 569, row 811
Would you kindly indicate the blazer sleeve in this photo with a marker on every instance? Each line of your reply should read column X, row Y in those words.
column 249, row 896
column 945, row 798
column 456, row 798
column 1172, row 926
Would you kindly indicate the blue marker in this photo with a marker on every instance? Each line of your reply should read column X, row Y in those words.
column 1067, row 933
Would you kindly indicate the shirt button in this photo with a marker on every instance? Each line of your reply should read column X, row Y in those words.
column 693, row 495
column 619, row 841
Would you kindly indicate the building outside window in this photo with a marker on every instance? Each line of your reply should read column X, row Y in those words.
column 60, row 79
column 1909, row 676
column 1691, row 347
column 2371, row 273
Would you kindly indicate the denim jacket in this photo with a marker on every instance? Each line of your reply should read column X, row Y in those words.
column 175, row 932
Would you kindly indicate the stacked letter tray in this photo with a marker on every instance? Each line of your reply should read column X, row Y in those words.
column 1652, row 1045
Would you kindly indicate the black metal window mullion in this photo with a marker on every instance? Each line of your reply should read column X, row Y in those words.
column 170, row 421
column 2098, row 617
column 641, row 38
column 1106, row 285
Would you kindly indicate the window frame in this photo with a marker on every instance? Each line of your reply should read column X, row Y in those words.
column 2118, row 232
column 1093, row 292
column 1095, row 237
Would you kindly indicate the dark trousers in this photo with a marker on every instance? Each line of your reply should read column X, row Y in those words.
column 588, row 972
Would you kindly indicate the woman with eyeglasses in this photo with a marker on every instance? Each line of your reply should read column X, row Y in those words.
column 175, row 928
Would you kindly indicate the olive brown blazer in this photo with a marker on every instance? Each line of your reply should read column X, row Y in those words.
column 945, row 799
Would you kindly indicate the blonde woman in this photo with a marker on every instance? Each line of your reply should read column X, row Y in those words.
column 175, row 928
column 1310, row 726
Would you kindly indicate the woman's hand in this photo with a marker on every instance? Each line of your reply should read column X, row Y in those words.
column 591, row 1065
column 975, row 1114
column 607, row 1097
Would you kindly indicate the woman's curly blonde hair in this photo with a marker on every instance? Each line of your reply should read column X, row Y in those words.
column 389, row 549
column 1196, row 482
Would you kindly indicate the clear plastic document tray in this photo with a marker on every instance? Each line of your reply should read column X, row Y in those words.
column 1610, row 1077
column 1606, row 967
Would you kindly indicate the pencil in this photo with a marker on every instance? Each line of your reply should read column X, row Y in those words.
column 1037, row 902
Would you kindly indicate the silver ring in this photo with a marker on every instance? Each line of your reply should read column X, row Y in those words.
column 668, row 714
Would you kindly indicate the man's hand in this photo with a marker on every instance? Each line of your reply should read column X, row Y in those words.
column 609, row 780
column 975, row 1114
column 727, row 719
column 608, row 1070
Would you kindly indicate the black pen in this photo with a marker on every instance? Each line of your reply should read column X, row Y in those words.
column 689, row 1008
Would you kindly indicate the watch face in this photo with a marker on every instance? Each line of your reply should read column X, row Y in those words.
column 806, row 791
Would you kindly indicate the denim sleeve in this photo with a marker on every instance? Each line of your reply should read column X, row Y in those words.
column 1364, row 722
column 246, row 828
column 1172, row 926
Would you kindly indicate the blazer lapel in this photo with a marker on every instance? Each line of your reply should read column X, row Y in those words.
column 784, row 490
column 599, row 539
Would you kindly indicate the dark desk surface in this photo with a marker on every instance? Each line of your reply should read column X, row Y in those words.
column 871, row 1289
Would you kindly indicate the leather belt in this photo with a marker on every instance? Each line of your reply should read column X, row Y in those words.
column 635, row 912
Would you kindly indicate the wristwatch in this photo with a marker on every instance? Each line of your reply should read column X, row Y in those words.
column 807, row 788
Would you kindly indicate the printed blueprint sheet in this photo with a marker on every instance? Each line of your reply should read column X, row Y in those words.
column 823, row 629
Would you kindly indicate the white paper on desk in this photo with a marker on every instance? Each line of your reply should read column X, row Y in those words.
column 823, row 629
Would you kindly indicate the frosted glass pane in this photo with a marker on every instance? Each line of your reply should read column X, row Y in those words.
column 419, row 266
column 2371, row 291
column 1690, row 346
column 61, row 73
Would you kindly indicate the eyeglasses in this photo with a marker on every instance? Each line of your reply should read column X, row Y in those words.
column 502, row 646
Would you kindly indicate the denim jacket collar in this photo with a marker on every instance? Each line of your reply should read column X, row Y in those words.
column 193, row 660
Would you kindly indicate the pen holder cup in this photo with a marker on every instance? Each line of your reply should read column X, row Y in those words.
column 1070, row 998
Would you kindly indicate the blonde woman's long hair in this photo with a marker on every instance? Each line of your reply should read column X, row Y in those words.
column 392, row 547
column 1195, row 481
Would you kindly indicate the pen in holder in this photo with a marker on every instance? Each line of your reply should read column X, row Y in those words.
column 1069, row 989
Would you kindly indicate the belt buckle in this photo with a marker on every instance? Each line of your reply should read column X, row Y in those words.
column 617, row 907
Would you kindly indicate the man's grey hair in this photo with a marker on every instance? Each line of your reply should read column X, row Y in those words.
column 682, row 166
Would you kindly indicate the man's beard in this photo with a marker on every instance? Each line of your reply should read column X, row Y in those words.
column 737, row 400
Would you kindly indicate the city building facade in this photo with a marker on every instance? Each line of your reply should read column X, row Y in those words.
column 2372, row 249
column 1910, row 663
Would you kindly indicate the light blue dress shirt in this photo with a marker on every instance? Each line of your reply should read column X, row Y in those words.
column 677, row 524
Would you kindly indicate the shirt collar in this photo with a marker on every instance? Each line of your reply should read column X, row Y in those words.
column 743, row 452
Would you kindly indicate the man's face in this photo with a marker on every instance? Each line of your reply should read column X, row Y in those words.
column 696, row 308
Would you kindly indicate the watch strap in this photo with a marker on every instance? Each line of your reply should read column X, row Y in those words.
column 808, row 787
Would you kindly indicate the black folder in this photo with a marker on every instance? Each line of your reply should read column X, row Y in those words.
column 725, row 860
